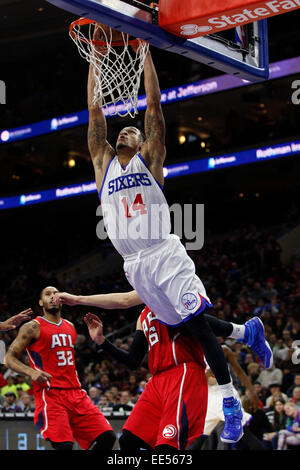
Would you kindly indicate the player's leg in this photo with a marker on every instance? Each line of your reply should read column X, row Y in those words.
column 199, row 327
column 104, row 442
column 185, row 290
column 252, row 334
column 141, row 427
column 214, row 414
column 62, row 445
column 52, row 420
column 176, row 295
column 164, row 293
column 90, row 428
column 183, row 416
column 200, row 443
column 129, row 442
column 219, row 327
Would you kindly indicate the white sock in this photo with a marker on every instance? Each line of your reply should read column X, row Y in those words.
column 227, row 390
column 238, row 331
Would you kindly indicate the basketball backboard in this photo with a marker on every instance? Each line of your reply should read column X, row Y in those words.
column 249, row 61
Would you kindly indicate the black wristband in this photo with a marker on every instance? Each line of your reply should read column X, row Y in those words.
column 134, row 356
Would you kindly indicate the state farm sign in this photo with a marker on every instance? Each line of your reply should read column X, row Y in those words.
column 191, row 18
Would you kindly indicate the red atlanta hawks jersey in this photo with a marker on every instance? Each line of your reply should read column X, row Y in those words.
column 167, row 347
column 53, row 352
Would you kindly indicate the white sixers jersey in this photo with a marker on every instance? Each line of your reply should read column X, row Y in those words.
column 135, row 211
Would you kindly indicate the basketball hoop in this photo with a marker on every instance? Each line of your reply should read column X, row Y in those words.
column 117, row 67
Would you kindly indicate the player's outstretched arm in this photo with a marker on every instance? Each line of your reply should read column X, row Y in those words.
column 27, row 333
column 95, row 327
column 13, row 322
column 153, row 149
column 97, row 131
column 100, row 150
column 131, row 358
column 112, row 301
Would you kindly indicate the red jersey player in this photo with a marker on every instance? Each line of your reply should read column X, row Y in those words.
column 251, row 333
column 166, row 416
column 63, row 410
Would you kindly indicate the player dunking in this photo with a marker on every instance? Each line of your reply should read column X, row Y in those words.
column 129, row 181
column 63, row 410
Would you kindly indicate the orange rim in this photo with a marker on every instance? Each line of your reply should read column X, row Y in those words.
column 85, row 21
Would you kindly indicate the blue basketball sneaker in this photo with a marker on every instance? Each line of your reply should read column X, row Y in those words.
column 233, row 428
column 254, row 337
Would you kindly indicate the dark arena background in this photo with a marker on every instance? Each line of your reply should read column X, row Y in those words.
column 236, row 150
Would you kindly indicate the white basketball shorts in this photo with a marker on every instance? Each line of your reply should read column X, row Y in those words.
column 164, row 278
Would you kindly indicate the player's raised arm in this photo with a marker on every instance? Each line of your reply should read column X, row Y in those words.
column 131, row 358
column 112, row 301
column 13, row 322
column 27, row 333
column 153, row 150
column 100, row 150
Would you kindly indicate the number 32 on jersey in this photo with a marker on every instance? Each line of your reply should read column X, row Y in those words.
column 65, row 357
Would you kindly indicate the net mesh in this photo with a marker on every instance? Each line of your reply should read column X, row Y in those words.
column 116, row 65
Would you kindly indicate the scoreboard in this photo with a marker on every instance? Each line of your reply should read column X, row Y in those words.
column 21, row 434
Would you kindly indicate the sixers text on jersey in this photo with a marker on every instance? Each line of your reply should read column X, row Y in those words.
column 128, row 181
column 135, row 212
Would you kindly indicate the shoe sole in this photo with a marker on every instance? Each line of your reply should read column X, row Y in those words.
column 267, row 344
column 230, row 441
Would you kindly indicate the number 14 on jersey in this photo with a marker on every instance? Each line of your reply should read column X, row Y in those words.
column 137, row 206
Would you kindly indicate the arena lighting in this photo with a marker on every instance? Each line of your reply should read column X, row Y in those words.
column 185, row 168
column 71, row 163
column 170, row 95
column 182, row 139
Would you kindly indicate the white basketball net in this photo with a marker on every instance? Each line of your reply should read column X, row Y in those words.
column 117, row 70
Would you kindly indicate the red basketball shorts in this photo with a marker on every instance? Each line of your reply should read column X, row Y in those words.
column 68, row 415
column 172, row 408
